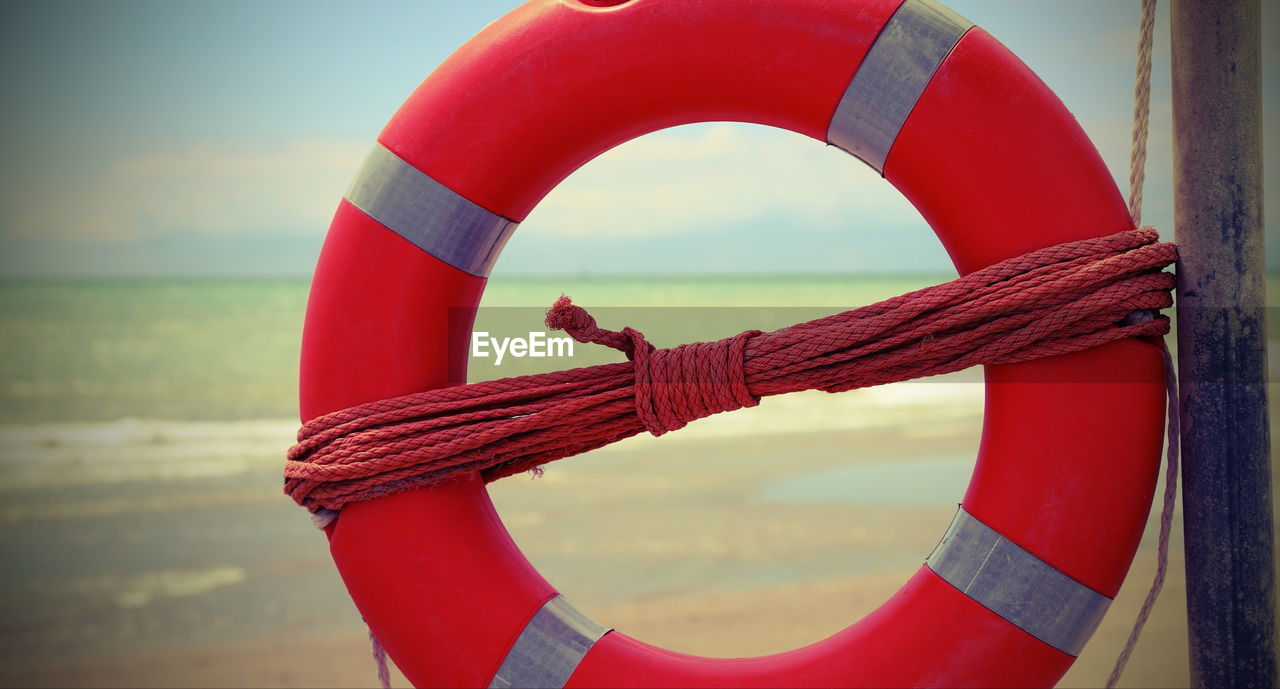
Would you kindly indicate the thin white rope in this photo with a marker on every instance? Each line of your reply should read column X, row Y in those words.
column 322, row 519
column 380, row 660
column 1137, row 174
column 1141, row 111
column 1166, row 520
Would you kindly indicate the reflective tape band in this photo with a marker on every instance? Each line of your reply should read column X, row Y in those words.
column 549, row 649
column 900, row 64
column 430, row 215
column 1017, row 585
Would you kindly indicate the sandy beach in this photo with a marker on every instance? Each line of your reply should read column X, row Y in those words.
column 172, row 560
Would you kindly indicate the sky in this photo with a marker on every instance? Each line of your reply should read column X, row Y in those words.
column 215, row 139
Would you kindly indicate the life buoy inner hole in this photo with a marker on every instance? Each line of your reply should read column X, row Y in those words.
column 763, row 529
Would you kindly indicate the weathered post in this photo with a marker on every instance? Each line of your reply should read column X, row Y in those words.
column 1217, row 113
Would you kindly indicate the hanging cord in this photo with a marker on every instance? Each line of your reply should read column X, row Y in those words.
column 1141, row 111
column 1137, row 174
column 321, row 519
column 380, row 661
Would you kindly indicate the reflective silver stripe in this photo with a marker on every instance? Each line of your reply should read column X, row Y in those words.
column 900, row 64
column 432, row 216
column 1017, row 585
column 550, row 647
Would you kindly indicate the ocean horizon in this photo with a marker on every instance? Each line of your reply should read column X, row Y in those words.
column 103, row 349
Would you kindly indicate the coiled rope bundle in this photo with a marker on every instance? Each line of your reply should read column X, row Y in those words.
column 1049, row 302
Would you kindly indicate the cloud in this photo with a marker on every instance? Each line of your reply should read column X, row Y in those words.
column 709, row 178
column 207, row 189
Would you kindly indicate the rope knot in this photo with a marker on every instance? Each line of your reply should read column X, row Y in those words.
column 682, row 384
column 672, row 386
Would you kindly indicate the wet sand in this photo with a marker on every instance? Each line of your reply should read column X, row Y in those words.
column 706, row 541
column 746, row 623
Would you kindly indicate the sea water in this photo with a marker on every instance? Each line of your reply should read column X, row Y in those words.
column 105, row 350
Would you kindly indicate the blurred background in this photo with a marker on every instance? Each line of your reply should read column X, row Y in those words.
column 169, row 172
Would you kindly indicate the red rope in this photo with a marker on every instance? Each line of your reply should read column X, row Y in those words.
column 1057, row 300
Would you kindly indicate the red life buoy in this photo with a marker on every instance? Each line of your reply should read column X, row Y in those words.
column 969, row 134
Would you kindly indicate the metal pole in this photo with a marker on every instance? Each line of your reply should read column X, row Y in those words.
column 1217, row 122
